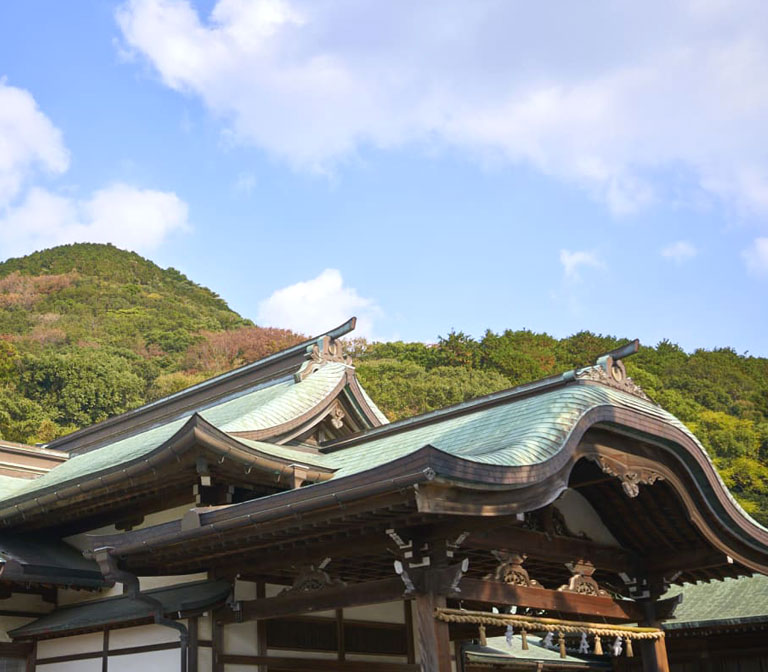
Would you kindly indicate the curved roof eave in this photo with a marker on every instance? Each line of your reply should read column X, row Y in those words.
column 195, row 431
column 712, row 508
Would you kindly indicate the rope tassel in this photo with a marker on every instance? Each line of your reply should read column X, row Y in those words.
column 598, row 646
column 630, row 653
column 524, row 638
column 561, row 640
column 483, row 640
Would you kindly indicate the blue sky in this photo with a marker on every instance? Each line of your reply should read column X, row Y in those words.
column 426, row 166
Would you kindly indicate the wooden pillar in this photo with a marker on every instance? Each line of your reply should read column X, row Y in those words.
column 261, row 627
column 340, row 645
column 32, row 658
column 105, row 652
column 409, row 644
column 434, row 642
column 217, row 644
column 654, row 653
column 192, row 649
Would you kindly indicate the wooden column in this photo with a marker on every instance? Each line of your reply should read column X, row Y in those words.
column 340, row 645
column 192, row 650
column 409, row 643
column 434, row 642
column 105, row 652
column 261, row 627
column 32, row 658
column 217, row 644
column 654, row 653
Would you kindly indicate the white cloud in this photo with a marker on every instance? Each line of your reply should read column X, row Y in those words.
column 33, row 217
column 593, row 95
column 679, row 252
column 28, row 140
column 756, row 257
column 572, row 262
column 131, row 218
column 316, row 305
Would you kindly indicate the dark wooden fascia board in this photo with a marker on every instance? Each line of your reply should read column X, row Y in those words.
column 131, row 422
column 355, row 393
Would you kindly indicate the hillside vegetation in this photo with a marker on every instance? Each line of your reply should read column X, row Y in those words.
column 88, row 331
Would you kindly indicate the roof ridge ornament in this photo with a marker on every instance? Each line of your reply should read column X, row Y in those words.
column 609, row 370
column 321, row 352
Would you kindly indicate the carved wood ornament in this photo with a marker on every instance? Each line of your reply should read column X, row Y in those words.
column 582, row 582
column 631, row 477
column 311, row 578
column 511, row 570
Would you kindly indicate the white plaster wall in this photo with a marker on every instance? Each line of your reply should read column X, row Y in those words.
column 205, row 626
column 386, row 612
column 240, row 638
column 581, row 518
column 205, row 659
column 64, row 646
column 150, row 582
column 141, row 636
column 91, row 665
column 155, row 661
column 68, row 596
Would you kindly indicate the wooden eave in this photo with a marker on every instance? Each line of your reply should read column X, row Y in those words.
column 449, row 486
column 134, row 421
column 100, row 491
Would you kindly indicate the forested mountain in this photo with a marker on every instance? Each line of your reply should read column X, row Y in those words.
column 88, row 331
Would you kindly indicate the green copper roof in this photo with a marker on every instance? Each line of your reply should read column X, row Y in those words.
column 281, row 401
column 122, row 609
column 721, row 603
column 522, row 432
column 248, row 413
column 10, row 485
column 499, row 652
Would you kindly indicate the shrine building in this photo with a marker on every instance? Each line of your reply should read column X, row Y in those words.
column 271, row 518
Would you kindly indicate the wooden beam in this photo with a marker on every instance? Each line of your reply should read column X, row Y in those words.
column 317, row 665
column 497, row 593
column 337, row 597
column 553, row 548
